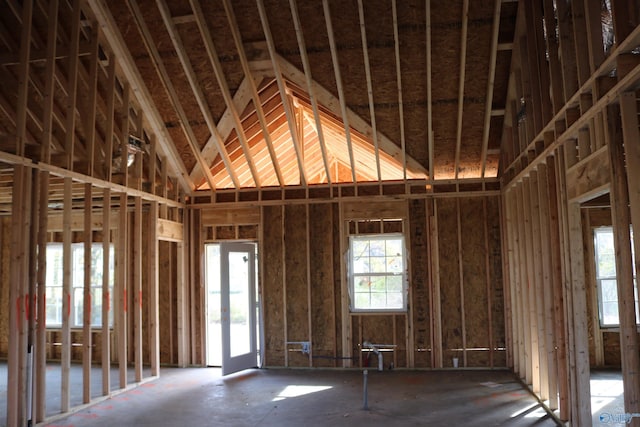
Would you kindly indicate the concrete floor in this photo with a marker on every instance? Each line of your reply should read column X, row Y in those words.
column 277, row 397
column 199, row 396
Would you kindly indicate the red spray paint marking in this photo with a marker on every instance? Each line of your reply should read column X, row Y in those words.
column 125, row 300
column 26, row 307
column 140, row 298
column 68, row 305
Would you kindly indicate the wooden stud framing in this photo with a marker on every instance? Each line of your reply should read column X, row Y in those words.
column 106, row 292
column 524, row 325
column 487, row 266
column 65, row 358
column 137, row 287
column 621, row 198
column 182, row 328
column 436, row 330
column 109, row 119
column 547, row 286
column 461, row 278
column 154, row 292
column 86, row 300
column 90, row 118
column 120, row 314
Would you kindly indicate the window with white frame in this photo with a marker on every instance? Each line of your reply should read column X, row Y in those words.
column 377, row 272
column 54, row 297
column 605, row 260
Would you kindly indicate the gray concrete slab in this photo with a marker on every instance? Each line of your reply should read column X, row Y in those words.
column 277, row 397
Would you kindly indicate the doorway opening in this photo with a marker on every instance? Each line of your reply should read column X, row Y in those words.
column 232, row 306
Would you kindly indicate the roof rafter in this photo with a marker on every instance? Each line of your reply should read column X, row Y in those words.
column 282, row 87
column 429, row 94
column 307, row 73
column 255, row 96
column 171, row 92
column 132, row 74
column 338, row 76
column 490, row 84
column 224, row 87
column 195, row 87
column 396, row 42
column 367, row 71
column 463, row 66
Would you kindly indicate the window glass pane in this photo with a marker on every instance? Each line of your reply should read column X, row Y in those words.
column 54, row 305
column 78, row 311
column 610, row 313
column 377, row 278
column 394, row 284
column 605, row 253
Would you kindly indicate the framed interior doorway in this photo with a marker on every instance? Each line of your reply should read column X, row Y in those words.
column 232, row 306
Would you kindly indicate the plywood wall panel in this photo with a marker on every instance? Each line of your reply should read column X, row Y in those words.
column 475, row 281
column 418, row 243
column 322, row 292
column 498, row 335
column 295, row 241
column 273, row 305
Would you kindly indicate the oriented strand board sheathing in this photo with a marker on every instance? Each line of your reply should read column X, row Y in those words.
column 297, row 306
column 272, row 287
column 449, row 280
column 420, row 310
column 322, row 292
column 496, row 281
column 475, row 285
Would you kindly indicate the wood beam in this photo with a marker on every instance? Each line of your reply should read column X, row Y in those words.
column 105, row 356
column 65, row 358
column 137, row 288
column 86, row 300
column 154, row 290
column 282, row 88
column 120, row 290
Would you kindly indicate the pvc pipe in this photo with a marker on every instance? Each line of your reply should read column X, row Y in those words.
column 365, row 404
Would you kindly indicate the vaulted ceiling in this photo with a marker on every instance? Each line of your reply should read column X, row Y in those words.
column 261, row 93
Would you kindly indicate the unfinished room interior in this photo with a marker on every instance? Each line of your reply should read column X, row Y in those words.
column 319, row 212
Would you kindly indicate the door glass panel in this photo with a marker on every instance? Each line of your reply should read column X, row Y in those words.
column 239, row 303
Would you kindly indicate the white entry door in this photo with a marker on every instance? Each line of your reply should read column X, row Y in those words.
column 238, row 307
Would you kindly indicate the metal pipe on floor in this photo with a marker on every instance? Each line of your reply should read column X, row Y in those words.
column 365, row 375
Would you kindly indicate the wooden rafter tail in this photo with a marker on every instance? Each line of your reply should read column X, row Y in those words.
column 338, row 76
column 463, row 62
column 171, row 91
column 132, row 75
column 429, row 90
column 282, row 88
column 195, row 87
column 367, row 70
column 490, row 84
column 307, row 72
column 224, row 88
column 396, row 42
